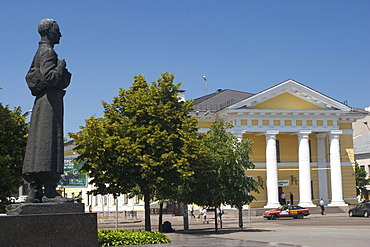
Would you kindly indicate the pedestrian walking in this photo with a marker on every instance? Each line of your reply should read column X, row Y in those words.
column 192, row 211
column 219, row 215
column 200, row 212
column 283, row 198
column 291, row 198
column 322, row 206
column 204, row 214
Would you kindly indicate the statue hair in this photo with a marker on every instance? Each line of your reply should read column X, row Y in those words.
column 45, row 25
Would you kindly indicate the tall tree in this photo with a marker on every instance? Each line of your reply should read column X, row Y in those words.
column 13, row 139
column 145, row 139
column 223, row 178
column 361, row 180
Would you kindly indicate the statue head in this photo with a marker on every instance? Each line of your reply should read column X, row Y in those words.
column 49, row 28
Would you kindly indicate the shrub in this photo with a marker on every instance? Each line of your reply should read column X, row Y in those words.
column 132, row 237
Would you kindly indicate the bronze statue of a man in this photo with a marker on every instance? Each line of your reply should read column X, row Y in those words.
column 47, row 79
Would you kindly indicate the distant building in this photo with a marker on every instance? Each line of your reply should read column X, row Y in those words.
column 79, row 188
column 303, row 141
column 361, row 142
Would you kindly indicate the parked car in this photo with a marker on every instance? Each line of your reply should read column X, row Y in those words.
column 295, row 211
column 362, row 209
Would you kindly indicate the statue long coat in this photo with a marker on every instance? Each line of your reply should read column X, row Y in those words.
column 46, row 79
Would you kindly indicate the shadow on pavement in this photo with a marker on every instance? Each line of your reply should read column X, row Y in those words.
column 220, row 231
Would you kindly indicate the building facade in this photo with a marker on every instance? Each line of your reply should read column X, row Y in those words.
column 303, row 141
column 361, row 143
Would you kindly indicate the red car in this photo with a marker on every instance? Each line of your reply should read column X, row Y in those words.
column 295, row 211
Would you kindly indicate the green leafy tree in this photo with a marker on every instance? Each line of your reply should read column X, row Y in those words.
column 361, row 180
column 13, row 139
column 222, row 178
column 145, row 140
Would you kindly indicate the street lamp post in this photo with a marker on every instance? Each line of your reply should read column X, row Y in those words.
column 205, row 85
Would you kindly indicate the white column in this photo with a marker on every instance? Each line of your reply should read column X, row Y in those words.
column 271, row 170
column 321, row 164
column 130, row 204
column 336, row 170
column 100, row 200
column 304, row 170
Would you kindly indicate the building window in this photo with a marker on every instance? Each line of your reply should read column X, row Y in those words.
column 244, row 122
column 25, row 189
column 309, row 147
column 330, row 122
column 255, row 122
column 312, row 196
column 125, row 199
column 278, row 151
column 319, row 122
column 265, row 122
column 288, row 122
column 298, row 122
column 276, row 122
column 309, row 122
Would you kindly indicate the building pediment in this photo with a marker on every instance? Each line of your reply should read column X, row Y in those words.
column 290, row 95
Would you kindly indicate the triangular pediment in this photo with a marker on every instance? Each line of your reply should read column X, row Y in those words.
column 290, row 95
column 287, row 101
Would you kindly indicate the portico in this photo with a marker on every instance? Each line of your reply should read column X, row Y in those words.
column 305, row 164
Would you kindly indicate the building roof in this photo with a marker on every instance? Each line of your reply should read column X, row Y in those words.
column 361, row 144
column 220, row 99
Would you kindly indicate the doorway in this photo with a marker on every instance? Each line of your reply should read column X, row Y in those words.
column 280, row 192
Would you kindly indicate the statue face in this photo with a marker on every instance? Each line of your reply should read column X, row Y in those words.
column 54, row 34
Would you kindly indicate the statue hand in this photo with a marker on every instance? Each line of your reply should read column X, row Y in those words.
column 62, row 63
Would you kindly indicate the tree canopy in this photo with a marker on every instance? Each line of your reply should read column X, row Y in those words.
column 223, row 179
column 13, row 140
column 145, row 140
column 361, row 180
column 221, row 173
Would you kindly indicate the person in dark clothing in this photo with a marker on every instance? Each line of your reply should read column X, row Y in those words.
column 322, row 206
column 291, row 198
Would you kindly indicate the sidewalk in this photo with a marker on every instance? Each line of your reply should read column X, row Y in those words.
column 190, row 240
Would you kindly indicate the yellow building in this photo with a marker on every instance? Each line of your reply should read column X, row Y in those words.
column 303, row 143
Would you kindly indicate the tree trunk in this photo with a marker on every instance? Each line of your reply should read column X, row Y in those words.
column 216, row 224
column 220, row 219
column 160, row 217
column 186, row 217
column 148, row 226
column 174, row 207
column 240, row 217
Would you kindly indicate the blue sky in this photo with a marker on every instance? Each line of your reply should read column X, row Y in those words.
column 248, row 45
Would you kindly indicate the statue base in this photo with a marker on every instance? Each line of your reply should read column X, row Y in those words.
column 45, row 208
column 60, row 228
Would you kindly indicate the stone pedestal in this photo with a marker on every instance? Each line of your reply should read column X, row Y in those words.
column 45, row 208
column 60, row 228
